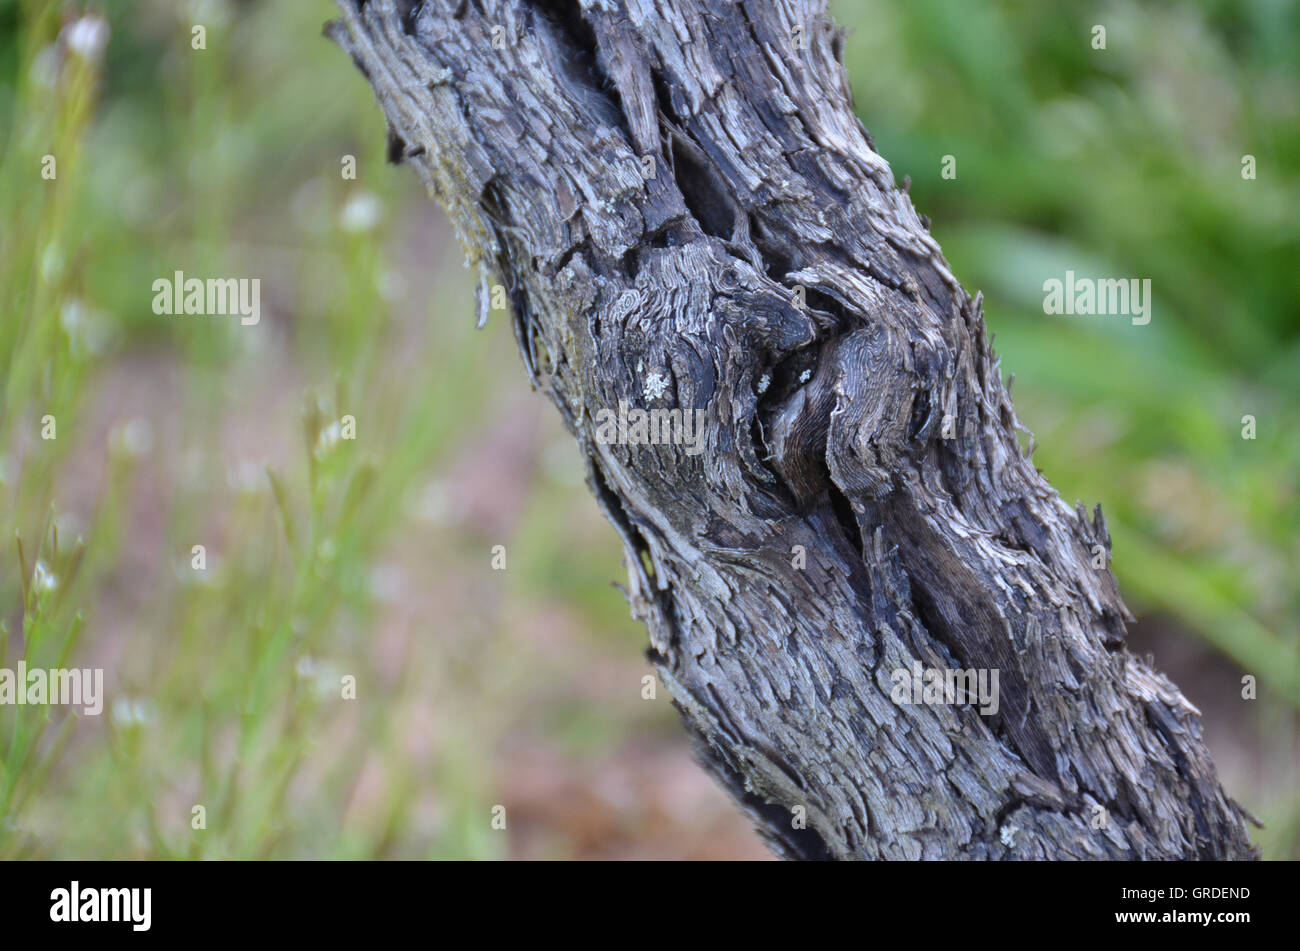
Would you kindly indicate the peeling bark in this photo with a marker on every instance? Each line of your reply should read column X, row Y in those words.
column 770, row 273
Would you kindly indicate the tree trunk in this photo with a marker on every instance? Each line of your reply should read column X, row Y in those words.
column 685, row 213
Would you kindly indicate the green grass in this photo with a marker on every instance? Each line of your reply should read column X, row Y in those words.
column 222, row 696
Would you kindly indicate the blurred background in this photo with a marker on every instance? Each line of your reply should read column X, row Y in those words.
column 326, row 557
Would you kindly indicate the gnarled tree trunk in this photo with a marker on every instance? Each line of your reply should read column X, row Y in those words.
column 686, row 213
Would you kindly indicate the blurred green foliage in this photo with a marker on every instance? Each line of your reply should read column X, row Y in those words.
column 1123, row 162
column 218, row 161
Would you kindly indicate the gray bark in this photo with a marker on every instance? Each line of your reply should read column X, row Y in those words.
column 770, row 273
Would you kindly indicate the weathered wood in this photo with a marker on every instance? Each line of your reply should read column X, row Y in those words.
column 834, row 530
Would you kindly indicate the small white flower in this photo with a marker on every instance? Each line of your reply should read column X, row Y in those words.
column 43, row 579
column 73, row 316
column 87, row 37
column 87, row 330
column 128, row 712
column 328, row 439
column 361, row 213
column 306, row 667
column 134, row 438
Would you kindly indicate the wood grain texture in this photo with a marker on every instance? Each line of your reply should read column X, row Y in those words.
column 770, row 273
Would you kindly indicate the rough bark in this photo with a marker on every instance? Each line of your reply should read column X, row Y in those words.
column 769, row 272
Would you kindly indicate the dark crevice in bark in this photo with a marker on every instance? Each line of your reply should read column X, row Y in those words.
column 844, row 517
column 580, row 50
column 407, row 11
column 396, row 148
column 701, row 188
column 583, row 247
